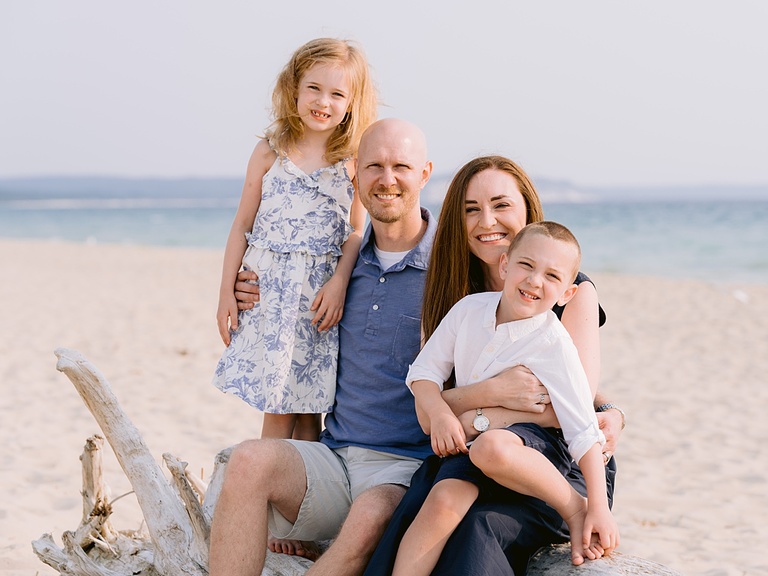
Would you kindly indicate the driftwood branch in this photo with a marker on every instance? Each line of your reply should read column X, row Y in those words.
column 177, row 522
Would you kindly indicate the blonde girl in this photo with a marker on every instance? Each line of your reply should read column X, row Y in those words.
column 298, row 226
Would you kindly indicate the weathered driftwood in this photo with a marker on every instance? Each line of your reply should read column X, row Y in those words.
column 178, row 524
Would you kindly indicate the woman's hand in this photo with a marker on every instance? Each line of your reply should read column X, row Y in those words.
column 517, row 388
column 246, row 289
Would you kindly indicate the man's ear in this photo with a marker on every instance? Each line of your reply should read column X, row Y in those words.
column 568, row 294
column 426, row 173
column 503, row 266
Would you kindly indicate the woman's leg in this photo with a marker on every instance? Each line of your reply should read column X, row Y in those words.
column 446, row 505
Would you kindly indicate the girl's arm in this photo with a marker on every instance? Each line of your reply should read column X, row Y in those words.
column 329, row 302
column 258, row 165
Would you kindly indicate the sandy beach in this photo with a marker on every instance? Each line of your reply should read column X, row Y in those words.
column 687, row 360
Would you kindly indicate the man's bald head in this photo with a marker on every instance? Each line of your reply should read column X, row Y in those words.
column 392, row 169
column 392, row 132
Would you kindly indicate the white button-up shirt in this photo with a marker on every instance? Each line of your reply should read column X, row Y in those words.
column 469, row 342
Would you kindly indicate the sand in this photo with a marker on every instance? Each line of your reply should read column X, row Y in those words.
column 687, row 360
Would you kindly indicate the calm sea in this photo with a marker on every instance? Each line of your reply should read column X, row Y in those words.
column 714, row 240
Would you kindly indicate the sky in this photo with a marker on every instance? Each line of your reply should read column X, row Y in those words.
column 597, row 93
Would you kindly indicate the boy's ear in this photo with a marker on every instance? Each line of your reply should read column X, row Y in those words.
column 568, row 294
column 503, row 264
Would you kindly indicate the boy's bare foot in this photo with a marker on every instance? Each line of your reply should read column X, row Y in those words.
column 576, row 527
column 305, row 549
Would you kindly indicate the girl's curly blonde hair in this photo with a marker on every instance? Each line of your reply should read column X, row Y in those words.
column 287, row 128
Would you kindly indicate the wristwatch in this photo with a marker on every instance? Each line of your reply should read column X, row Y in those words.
column 609, row 406
column 481, row 422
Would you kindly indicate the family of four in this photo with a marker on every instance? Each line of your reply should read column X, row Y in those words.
column 498, row 444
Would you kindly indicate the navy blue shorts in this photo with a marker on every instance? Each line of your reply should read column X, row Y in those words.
column 548, row 441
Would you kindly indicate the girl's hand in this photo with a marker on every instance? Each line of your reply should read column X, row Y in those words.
column 226, row 316
column 329, row 304
column 447, row 435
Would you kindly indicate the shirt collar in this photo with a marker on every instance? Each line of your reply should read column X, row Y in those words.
column 418, row 257
column 515, row 329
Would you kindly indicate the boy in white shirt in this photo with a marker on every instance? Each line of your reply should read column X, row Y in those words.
column 482, row 335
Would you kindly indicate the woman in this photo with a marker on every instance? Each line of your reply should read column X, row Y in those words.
column 489, row 200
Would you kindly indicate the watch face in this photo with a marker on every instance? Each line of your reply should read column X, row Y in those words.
column 481, row 423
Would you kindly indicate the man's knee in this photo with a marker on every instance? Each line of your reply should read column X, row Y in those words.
column 254, row 463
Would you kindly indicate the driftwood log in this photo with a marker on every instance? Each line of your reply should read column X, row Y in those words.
column 178, row 511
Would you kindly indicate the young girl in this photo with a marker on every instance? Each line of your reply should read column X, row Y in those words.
column 298, row 226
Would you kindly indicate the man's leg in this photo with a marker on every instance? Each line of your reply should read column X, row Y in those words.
column 360, row 533
column 258, row 472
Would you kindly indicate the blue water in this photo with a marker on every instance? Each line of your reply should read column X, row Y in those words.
column 717, row 240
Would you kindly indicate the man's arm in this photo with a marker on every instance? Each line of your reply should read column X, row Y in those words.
column 246, row 292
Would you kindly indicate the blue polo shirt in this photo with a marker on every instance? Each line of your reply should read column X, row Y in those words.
column 379, row 337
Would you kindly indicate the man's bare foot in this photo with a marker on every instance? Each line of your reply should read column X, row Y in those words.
column 305, row 549
column 576, row 527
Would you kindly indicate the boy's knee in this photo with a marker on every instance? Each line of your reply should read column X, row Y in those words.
column 491, row 449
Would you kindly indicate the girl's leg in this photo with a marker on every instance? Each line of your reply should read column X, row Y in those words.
column 503, row 457
column 446, row 505
column 307, row 427
column 278, row 426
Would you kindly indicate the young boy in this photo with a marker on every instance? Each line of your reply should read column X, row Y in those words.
column 482, row 335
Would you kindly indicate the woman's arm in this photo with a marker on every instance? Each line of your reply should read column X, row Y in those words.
column 580, row 318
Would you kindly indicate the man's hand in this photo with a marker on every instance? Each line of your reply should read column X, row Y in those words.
column 610, row 423
column 246, row 289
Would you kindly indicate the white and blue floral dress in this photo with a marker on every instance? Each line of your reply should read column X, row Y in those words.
column 277, row 361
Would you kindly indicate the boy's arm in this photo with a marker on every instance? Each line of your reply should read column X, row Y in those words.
column 437, row 420
column 599, row 518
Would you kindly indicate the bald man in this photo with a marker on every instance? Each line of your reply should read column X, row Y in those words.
column 347, row 485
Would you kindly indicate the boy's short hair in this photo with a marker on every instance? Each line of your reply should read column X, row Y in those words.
column 552, row 230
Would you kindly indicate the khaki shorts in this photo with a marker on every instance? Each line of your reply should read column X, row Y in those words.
column 334, row 479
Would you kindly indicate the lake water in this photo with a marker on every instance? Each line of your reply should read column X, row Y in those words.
column 714, row 240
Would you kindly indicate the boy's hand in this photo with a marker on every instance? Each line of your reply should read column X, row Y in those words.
column 447, row 435
column 329, row 304
column 600, row 534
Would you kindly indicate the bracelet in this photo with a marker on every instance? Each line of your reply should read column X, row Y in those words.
column 609, row 406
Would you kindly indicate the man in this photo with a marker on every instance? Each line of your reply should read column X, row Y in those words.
column 347, row 486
